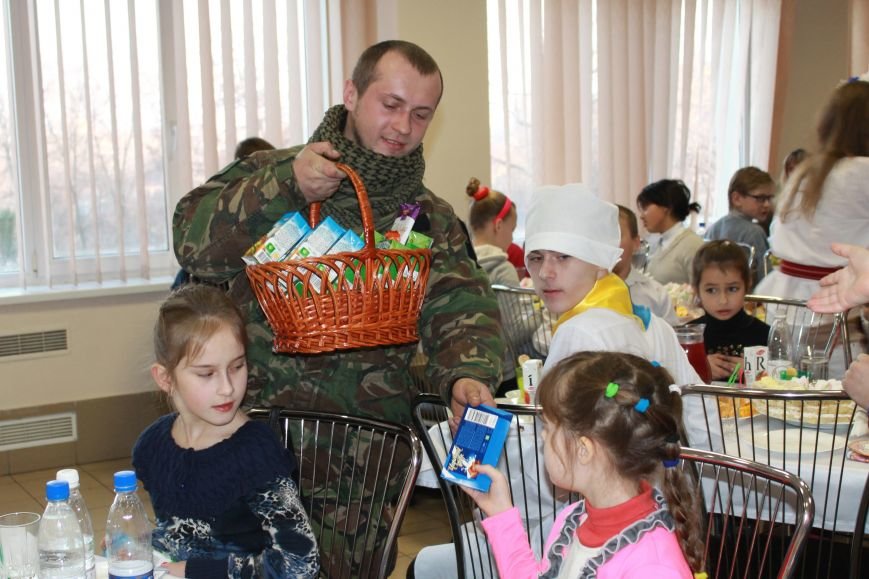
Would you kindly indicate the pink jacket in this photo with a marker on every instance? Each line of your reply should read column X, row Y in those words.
column 648, row 548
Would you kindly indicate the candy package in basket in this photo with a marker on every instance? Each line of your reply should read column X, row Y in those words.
column 328, row 288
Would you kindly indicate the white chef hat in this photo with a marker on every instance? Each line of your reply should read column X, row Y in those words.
column 571, row 220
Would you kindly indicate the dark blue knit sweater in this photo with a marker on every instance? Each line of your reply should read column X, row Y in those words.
column 231, row 510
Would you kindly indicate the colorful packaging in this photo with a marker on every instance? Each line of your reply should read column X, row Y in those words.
column 319, row 241
column 753, row 364
column 317, row 244
column 347, row 243
column 403, row 224
column 531, row 370
column 279, row 241
column 479, row 439
column 417, row 240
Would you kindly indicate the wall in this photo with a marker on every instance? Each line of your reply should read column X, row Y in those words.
column 818, row 63
column 457, row 144
column 103, row 376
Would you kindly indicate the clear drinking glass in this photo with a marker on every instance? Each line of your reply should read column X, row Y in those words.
column 19, row 557
column 816, row 366
column 691, row 339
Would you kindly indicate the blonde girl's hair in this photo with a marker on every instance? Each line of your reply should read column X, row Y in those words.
column 574, row 398
column 843, row 131
column 487, row 205
column 188, row 318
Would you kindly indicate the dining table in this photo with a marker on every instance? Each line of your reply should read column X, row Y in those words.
column 817, row 453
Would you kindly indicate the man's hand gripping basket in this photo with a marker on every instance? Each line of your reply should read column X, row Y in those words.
column 370, row 297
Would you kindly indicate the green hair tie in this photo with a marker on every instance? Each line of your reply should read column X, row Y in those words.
column 611, row 390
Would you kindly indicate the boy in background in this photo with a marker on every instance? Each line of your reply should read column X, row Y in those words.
column 645, row 291
column 750, row 195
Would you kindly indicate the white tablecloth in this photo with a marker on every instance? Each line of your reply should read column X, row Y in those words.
column 822, row 471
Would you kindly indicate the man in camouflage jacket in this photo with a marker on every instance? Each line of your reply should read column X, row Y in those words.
column 378, row 131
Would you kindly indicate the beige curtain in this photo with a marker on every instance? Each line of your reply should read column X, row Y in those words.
column 619, row 93
column 263, row 68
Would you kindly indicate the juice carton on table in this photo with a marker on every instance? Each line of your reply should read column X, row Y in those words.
column 753, row 364
column 531, row 370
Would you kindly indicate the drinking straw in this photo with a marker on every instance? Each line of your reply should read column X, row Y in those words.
column 734, row 374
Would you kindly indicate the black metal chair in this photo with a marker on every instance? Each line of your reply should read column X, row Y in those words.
column 537, row 500
column 526, row 322
column 640, row 258
column 356, row 478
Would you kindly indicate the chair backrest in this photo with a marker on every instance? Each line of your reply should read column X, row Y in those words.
column 640, row 258
column 805, row 432
column 750, row 253
column 356, row 477
column 756, row 518
column 522, row 463
column 820, row 332
column 768, row 259
column 526, row 322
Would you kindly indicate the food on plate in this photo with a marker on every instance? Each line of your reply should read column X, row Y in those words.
column 814, row 412
column 727, row 406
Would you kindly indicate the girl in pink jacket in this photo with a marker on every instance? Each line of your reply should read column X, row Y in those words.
column 610, row 433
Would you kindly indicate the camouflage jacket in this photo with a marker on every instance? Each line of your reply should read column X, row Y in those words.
column 459, row 323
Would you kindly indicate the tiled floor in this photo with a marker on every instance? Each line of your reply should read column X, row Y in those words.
column 425, row 523
column 26, row 491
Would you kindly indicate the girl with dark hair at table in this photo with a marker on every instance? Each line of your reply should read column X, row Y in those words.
column 721, row 277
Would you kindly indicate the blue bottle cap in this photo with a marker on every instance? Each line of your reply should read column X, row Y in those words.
column 125, row 480
column 57, row 490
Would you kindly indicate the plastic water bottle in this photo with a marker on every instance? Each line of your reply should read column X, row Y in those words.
column 779, row 353
column 128, row 532
column 60, row 542
column 76, row 501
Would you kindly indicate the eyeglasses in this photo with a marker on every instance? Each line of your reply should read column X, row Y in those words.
column 761, row 198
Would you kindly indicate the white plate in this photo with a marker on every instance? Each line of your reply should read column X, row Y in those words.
column 807, row 414
column 789, row 441
column 513, row 397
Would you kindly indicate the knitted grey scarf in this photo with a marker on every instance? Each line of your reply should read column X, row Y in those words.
column 389, row 181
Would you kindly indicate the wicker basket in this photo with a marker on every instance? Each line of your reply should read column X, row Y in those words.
column 370, row 297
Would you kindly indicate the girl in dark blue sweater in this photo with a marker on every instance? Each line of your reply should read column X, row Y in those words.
column 222, row 487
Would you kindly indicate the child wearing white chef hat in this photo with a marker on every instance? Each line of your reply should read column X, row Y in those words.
column 572, row 242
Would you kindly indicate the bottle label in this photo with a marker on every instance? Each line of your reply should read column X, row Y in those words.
column 131, row 570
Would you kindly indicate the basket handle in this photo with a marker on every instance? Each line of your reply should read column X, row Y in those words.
column 364, row 206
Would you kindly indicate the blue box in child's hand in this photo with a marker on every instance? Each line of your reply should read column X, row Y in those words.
column 479, row 439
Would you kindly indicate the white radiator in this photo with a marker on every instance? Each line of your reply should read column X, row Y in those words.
column 38, row 431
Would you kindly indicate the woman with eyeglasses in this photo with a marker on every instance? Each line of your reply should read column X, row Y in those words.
column 750, row 195
column 663, row 206
column 826, row 199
